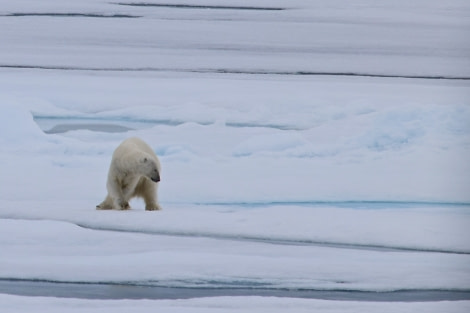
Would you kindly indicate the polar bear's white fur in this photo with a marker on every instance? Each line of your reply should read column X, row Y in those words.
column 134, row 172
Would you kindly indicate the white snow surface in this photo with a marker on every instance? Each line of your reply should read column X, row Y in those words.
column 12, row 304
column 269, row 177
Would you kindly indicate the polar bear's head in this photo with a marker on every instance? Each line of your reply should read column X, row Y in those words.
column 149, row 168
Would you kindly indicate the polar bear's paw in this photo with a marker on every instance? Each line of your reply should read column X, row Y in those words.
column 153, row 207
column 124, row 205
column 104, row 206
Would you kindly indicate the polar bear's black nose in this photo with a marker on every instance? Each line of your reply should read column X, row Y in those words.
column 156, row 178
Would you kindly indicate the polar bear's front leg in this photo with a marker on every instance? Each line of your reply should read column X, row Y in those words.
column 147, row 189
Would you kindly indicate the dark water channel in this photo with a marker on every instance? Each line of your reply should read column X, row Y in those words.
column 133, row 291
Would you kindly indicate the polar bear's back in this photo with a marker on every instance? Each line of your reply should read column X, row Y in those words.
column 137, row 144
column 127, row 151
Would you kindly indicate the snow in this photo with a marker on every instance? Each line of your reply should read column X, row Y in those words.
column 406, row 147
column 221, row 304
column 297, row 150
column 85, row 255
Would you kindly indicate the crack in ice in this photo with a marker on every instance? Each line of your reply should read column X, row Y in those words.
column 232, row 71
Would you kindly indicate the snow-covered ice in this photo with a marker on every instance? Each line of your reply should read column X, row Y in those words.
column 221, row 304
column 324, row 146
column 193, row 260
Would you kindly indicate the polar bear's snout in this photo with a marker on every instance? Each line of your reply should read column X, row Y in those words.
column 155, row 177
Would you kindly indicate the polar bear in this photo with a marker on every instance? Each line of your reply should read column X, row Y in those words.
column 134, row 172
